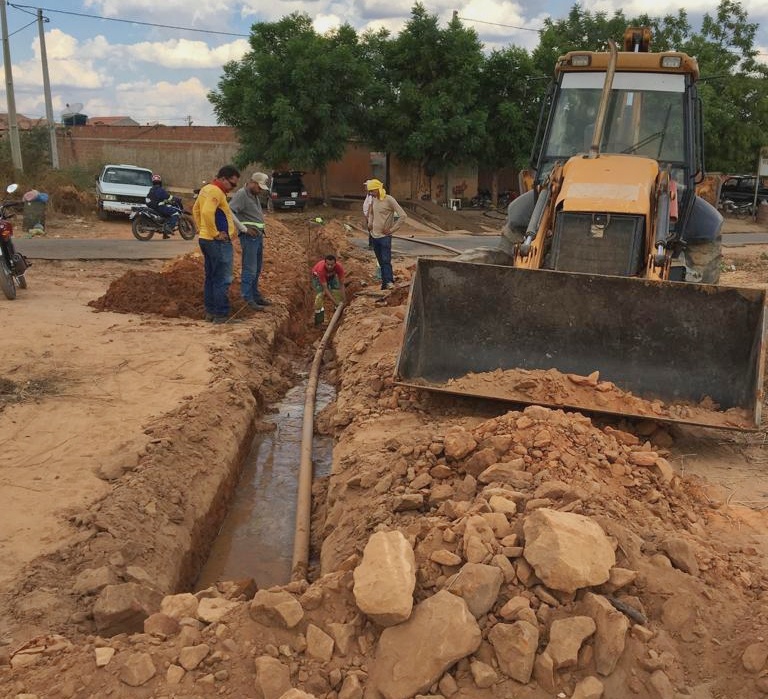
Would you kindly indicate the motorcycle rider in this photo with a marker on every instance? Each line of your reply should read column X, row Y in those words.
column 160, row 200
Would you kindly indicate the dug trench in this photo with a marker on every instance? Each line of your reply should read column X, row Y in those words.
column 465, row 549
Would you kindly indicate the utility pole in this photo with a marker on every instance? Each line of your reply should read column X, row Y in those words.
column 47, row 92
column 13, row 127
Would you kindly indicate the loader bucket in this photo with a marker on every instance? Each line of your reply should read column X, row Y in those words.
column 670, row 351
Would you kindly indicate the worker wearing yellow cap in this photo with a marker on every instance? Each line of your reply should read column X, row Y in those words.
column 385, row 216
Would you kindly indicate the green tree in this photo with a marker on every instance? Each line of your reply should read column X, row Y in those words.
column 581, row 30
column 733, row 88
column 511, row 96
column 294, row 98
column 426, row 108
column 35, row 145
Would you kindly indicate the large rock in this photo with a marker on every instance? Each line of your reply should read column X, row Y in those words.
column 458, row 443
column 566, row 637
column 478, row 585
column 611, row 633
column 515, row 647
column 273, row 679
column 412, row 656
column 179, row 606
column 213, row 609
column 123, row 608
column 567, row 551
column 137, row 670
column 279, row 609
column 385, row 579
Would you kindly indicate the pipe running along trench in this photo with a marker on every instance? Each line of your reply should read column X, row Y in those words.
column 300, row 561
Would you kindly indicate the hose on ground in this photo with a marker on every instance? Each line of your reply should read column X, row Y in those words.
column 300, row 562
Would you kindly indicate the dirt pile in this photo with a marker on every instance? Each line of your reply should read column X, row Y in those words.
column 176, row 290
column 552, row 388
column 673, row 533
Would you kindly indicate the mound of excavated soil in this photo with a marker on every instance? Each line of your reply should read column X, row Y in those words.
column 176, row 290
column 553, row 388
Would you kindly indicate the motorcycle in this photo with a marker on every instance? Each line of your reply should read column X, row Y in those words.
column 743, row 209
column 13, row 265
column 145, row 222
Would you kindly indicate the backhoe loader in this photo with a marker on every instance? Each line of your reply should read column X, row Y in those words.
column 603, row 295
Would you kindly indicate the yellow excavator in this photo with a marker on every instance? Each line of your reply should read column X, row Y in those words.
column 603, row 294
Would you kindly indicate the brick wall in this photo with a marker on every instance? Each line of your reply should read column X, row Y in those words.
column 183, row 155
column 187, row 155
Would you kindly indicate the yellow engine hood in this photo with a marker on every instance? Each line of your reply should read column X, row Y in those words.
column 621, row 184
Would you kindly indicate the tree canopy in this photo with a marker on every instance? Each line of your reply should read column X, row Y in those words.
column 432, row 96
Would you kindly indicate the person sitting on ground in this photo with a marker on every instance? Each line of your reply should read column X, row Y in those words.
column 327, row 283
column 160, row 200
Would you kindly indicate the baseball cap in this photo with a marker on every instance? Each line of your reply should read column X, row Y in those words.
column 261, row 179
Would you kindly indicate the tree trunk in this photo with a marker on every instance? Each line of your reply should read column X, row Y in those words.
column 324, row 185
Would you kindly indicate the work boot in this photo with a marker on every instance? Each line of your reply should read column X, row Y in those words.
column 220, row 320
column 319, row 317
column 255, row 306
column 263, row 302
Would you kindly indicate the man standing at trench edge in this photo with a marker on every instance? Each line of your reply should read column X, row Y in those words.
column 246, row 207
column 385, row 216
column 216, row 227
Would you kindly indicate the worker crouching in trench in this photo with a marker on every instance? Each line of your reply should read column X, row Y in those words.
column 328, row 283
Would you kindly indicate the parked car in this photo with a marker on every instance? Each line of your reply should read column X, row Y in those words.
column 740, row 189
column 121, row 187
column 287, row 191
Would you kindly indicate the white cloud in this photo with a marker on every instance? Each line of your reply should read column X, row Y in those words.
column 149, row 102
column 182, row 53
column 210, row 14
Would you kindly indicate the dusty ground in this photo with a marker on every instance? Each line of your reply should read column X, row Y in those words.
column 123, row 416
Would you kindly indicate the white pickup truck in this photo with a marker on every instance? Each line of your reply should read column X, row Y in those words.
column 121, row 187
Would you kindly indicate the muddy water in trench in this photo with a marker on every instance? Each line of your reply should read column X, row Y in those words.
column 256, row 539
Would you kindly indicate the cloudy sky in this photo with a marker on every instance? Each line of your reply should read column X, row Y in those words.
column 155, row 60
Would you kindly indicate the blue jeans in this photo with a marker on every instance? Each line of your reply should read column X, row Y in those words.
column 253, row 258
column 171, row 214
column 217, row 255
column 382, row 248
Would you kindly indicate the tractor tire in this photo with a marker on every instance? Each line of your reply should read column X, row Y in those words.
column 706, row 257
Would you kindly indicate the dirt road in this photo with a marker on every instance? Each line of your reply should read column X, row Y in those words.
column 122, row 425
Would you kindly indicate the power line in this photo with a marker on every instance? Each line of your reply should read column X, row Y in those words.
column 497, row 24
column 24, row 27
column 127, row 21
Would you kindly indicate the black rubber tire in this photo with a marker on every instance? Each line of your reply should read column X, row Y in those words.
column 706, row 257
column 102, row 215
column 142, row 229
column 187, row 228
column 7, row 283
column 21, row 280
